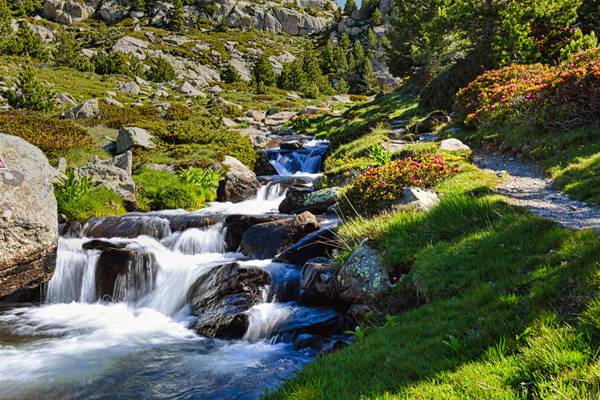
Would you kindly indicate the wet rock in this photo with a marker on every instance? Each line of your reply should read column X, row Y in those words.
column 361, row 278
column 308, row 341
column 294, row 200
column 70, row 229
column 317, row 244
column 239, row 184
column 263, row 166
column 28, row 216
column 291, row 145
column 127, row 227
column 266, row 240
column 87, row 110
column 453, row 145
column 97, row 244
column 124, row 274
column 237, row 225
column 134, row 137
column 182, row 222
column 314, row 321
column 318, row 285
column 221, row 297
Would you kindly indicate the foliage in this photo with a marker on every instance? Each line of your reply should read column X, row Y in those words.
column 380, row 155
column 177, row 19
column 160, row 70
column 379, row 188
column 79, row 200
column 67, row 53
column 31, row 94
column 189, row 189
column 349, row 7
column 230, row 75
column 25, row 42
column 536, row 96
column 53, row 136
column 114, row 62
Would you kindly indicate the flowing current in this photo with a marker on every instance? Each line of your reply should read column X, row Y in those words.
column 139, row 343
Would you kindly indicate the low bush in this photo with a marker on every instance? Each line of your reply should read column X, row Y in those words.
column 379, row 188
column 53, row 136
column 536, row 96
column 32, row 94
column 160, row 70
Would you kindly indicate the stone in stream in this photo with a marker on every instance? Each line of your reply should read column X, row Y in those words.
column 300, row 199
column 314, row 321
column 361, row 278
column 124, row 274
column 221, row 297
column 316, row 244
column 127, row 227
column 294, row 199
column 28, row 216
column 318, row 286
column 266, row 240
column 239, row 184
column 237, row 225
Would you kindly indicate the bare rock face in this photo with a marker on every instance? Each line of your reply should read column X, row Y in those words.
column 28, row 216
column 68, row 12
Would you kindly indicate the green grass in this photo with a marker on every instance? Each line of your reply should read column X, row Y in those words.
column 97, row 203
column 498, row 309
column 359, row 120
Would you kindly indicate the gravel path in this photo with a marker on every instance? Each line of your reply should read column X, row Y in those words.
column 526, row 186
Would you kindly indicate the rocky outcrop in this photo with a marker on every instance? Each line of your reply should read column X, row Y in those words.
column 239, row 184
column 131, row 45
column 318, row 286
column 69, row 11
column 114, row 10
column 134, row 137
column 221, row 297
column 361, row 278
column 114, row 174
column 28, row 217
column 266, row 240
column 272, row 17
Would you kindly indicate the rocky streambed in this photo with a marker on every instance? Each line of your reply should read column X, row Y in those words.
column 221, row 303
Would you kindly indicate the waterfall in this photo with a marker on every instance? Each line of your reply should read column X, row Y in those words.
column 305, row 161
column 198, row 241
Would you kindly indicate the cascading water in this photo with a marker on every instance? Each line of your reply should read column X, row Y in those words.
column 137, row 343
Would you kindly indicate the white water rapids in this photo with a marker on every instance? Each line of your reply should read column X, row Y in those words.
column 140, row 345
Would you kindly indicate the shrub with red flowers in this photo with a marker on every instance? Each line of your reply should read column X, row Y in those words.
column 561, row 97
column 379, row 188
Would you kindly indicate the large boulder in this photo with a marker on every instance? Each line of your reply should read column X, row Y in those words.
column 266, row 240
column 68, row 12
column 112, row 11
column 134, row 137
column 361, row 278
column 87, row 110
column 300, row 199
column 124, row 274
column 129, row 226
column 28, row 216
column 114, row 174
column 239, row 184
column 221, row 298
column 453, row 145
column 131, row 45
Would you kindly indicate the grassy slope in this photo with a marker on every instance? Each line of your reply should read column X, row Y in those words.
column 510, row 307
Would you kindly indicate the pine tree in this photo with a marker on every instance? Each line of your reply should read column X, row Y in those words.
column 372, row 40
column 368, row 77
column 292, row 77
column 377, row 17
column 33, row 93
column 349, row 7
column 263, row 74
column 138, row 5
column 177, row 20
column 5, row 23
column 359, row 52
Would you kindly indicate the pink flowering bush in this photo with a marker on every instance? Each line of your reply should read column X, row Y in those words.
column 561, row 97
column 379, row 188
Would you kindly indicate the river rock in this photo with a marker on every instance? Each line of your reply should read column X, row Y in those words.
column 127, row 227
column 28, row 216
column 87, row 110
column 315, row 321
column 294, row 200
column 308, row 341
column 239, row 184
column 263, row 166
column 221, row 297
column 299, row 199
column 237, row 225
column 361, row 278
column 263, row 241
column 318, row 286
column 316, row 244
column 453, row 145
column 124, row 274
column 134, row 137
